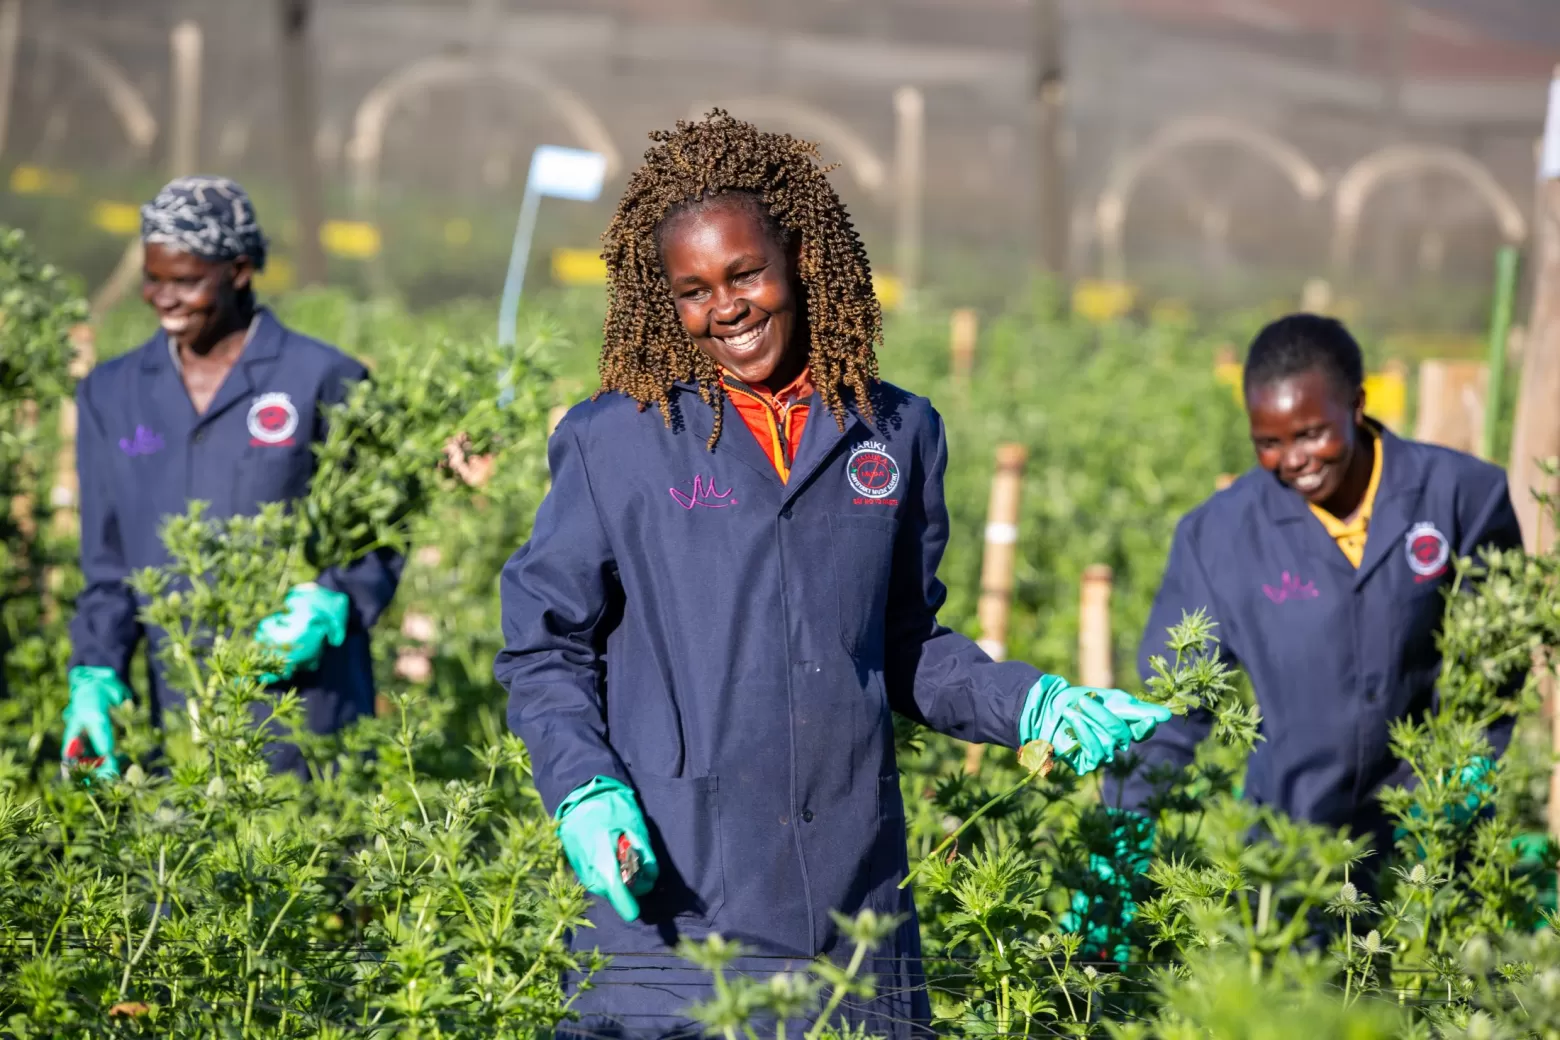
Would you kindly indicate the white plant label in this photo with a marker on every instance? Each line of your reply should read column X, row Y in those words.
column 1549, row 159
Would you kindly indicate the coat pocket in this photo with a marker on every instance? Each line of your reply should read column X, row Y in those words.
column 272, row 474
column 863, row 548
column 684, row 820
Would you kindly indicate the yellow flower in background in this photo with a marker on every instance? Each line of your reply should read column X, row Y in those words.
column 279, row 275
column 117, row 218
column 578, row 267
column 352, row 239
column 890, row 291
column 1102, row 301
column 39, row 180
column 1386, row 395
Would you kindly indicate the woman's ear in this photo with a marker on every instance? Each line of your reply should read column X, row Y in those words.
column 1359, row 406
column 243, row 273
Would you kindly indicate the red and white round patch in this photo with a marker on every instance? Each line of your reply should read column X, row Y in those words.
column 1428, row 550
column 273, row 419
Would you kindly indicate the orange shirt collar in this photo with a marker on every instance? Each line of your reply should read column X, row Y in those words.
column 798, row 389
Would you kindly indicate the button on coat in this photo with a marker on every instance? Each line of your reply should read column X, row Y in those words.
column 1334, row 654
column 731, row 647
column 143, row 454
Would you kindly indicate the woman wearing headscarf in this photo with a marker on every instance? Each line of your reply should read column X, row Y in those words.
column 223, row 405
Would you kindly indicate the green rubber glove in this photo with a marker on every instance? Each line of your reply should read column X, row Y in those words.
column 1475, row 777
column 88, row 731
column 592, row 821
column 1103, row 919
column 313, row 616
column 1085, row 726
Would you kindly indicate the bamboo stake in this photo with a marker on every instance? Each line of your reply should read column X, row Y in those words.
column 963, row 328
column 996, row 576
column 1452, row 396
column 187, row 44
column 1536, row 433
column 1094, row 647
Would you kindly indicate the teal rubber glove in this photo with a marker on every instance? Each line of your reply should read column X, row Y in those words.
column 1473, row 776
column 89, row 733
column 1085, row 726
column 313, row 616
column 593, row 822
column 1103, row 920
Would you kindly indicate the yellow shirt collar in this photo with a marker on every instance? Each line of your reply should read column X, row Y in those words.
column 1351, row 536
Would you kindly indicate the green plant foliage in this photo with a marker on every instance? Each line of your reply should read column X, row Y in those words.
column 415, row 887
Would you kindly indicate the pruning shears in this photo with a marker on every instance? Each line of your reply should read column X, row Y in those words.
column 79, row 755
column 628, row 860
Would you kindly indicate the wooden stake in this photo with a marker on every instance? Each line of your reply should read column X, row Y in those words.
column 555, row 417
column 1316, row 297
column 1536, row 435
column 996, row 575
column 1222, row 481
column 963, row 328
column 1452, row 398
column 1095, row 666
column 300, row 105
column 187, row 44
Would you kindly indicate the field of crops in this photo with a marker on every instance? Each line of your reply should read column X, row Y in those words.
column 415, row 888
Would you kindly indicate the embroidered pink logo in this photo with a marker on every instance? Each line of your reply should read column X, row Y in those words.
column 704, row 495
column 1291, row 587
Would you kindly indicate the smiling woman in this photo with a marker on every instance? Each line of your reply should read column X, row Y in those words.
column 707, row 635
column 1324, row 568
column 221, row 405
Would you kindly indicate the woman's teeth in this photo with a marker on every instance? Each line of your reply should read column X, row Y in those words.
column 1308, row 482
column 175, row 325
column 743, row 340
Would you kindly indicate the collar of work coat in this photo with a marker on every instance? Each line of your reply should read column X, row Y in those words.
column 820, row 437
column 248, row 376
column 1396, row 508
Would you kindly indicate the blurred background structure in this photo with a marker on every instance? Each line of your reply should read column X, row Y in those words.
column 1217, row 151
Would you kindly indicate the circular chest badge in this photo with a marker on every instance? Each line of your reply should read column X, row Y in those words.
column 273, row 419
column 872, row 471
column 1428, row 550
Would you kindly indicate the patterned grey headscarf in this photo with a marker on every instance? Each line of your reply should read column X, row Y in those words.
column 210, row 217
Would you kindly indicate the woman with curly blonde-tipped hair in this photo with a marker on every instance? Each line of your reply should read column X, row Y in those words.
column 732, row 584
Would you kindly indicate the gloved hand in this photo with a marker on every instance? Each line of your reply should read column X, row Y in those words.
column 1473, row 776
column 591, row 821
column 1103, row 920
column 312, row 617
column 1085, row 726
column 88, row 731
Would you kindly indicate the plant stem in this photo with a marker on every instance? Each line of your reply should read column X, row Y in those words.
column 856, row 957
column 977, row 814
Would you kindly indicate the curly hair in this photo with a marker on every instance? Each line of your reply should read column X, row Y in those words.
column 645, row 348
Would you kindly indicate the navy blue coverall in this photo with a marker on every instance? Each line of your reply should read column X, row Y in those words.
column 143, row 454
column 1334, row 655
column 731, row 647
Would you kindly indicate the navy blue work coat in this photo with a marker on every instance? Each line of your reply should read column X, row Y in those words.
column 732, row 647
column 1334, row 654
column 143, row 454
